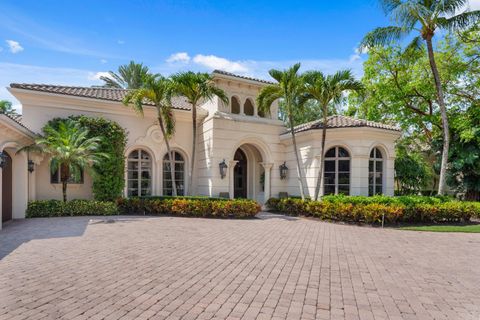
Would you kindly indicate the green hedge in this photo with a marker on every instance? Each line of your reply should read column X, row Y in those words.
column 57, row 208
column 359, row 209
column 189, row 206
column 180, row 206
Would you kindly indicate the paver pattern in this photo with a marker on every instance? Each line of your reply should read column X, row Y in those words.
column 270, row 268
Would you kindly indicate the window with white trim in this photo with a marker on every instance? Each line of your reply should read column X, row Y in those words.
column 375, row 172
column 336, row 177
column 139, row 173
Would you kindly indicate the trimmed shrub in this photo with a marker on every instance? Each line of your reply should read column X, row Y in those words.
column 371, row 210
column 190, row 207
column 57, row 208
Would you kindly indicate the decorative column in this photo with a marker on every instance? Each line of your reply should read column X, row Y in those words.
column 231, row 167
column 268, row 169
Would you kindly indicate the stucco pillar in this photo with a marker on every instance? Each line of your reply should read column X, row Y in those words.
column 359, row 175
column 268, row 169
column 389, row 179
column 231, row 167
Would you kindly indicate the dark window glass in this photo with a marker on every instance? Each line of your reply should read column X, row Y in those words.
column 375, row 173
column 330, row 166
column 330, row 153
column 179, row 165
column 342, row 153
column 139, row 172
column 329, row 189
column 343, row 165
column 55, row 177
column 337, row 171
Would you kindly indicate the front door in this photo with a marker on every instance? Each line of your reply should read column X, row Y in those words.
column 7, row 189
column 240, row 175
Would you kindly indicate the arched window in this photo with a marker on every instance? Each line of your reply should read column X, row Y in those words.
column 248, row 108
column 179, row 164
column 139, row 173
column 336, row 177
column 235, row 105
column 375, row 172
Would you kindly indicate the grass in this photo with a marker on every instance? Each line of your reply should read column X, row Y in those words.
column 467, row 228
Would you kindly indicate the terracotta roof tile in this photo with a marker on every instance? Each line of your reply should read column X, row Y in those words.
column 339, row 121
column 225, row 73
column 109, row 94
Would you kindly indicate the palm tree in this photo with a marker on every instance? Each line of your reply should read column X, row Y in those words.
column 327, row 89
column 289, row 88
column 70, row 151
column 6, row 107
column 196, row 87
column 129, row 76
column 157, row 90
column 424, row 17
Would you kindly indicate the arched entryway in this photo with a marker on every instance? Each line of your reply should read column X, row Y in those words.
column 7, row 188
column 250, row 174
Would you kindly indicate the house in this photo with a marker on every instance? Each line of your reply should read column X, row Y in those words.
column 359, row 154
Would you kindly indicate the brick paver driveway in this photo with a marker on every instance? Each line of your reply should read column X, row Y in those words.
column 155, row 268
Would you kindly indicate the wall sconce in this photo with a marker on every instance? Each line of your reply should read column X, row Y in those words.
column 283, row 171
column 223, row 168
column 31, row 166
column 3, row 160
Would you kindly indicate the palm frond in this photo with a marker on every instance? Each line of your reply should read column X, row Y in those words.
column 382, row 36
column 461, row 21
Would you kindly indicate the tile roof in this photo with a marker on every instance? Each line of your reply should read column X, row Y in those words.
column 109, row 94
column 225, row 73
column 17, row 118
column 340, row 121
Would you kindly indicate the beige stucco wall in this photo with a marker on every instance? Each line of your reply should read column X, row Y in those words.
column 220, row 134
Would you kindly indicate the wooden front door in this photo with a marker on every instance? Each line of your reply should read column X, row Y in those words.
column 240, row 175
column 7, row 189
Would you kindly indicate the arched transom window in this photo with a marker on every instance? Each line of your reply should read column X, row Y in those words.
column 179, row 164
column 235, row 105
column 336, row 178
column 139, row 173
column 375, row 172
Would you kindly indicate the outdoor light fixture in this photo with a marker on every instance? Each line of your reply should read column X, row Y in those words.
column 3, row 160
column 31, row 166
column 283, row 171
column 223, row 168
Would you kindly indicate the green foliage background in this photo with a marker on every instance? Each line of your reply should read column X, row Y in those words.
column 109, row 180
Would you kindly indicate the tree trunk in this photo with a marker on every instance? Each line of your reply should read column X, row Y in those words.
column 299, row 170
column 194, row 147
column 170, row 155
column 322, row 156
column 443, row 112
column 64, row 176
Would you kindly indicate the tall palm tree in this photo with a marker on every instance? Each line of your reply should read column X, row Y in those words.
column 129, row 76
column 157, row 90
column 327, row 89
column 425, row 17
column 70, row 151
column 196, row 87
column 6, row 107
column 289, row 88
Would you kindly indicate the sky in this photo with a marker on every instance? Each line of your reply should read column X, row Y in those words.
column 75, row 42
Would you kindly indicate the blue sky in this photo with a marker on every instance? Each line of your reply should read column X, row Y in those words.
column 73, row 42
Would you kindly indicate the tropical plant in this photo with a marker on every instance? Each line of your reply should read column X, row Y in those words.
column 424, row 17
column 129, row 76
column 196, row 88
column 327, row 90
column 6, row 107
column 70, row 151
column 289, row 90
column 158, row 91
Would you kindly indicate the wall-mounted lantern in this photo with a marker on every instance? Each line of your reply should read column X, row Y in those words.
column 283, row 171
column 3, row 160
column 31, row 166
column 223, row 168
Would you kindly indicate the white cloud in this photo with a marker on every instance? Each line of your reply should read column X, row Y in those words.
column 214, row 62
column 92, row 76
column 474, row 4
column 182, row 57
column 103, row 61
column 14, row 46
